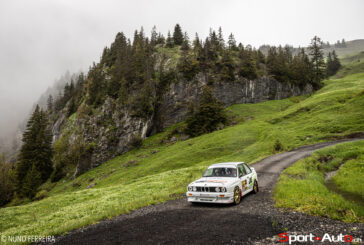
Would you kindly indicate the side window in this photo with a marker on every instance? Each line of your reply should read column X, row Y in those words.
column 248, row 170
column 241, row 170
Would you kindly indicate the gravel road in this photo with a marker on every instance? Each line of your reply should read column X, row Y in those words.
column 254, row 221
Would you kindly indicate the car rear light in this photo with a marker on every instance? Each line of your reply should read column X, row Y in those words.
column 190, row 194
column 221, row 195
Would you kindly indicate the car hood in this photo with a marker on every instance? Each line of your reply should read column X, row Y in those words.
column 210, row 181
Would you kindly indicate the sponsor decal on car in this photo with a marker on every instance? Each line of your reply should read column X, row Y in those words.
column 211, row 181
column 243, row 184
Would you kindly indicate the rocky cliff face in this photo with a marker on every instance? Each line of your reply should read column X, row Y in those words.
column 112, row 130
column 177, row 99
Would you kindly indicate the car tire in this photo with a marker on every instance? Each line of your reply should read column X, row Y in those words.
column 237, row 196
column 255, row 187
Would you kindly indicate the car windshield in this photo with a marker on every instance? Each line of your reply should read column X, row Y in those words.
column 220, row 172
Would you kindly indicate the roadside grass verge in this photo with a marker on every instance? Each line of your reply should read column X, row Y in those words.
column 160, row 171
column 302, row 186
column 72, row 210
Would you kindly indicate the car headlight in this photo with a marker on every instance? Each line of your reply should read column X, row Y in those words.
column 217, row 189
column 223, row 189
column 194, row 188
column 190, row 188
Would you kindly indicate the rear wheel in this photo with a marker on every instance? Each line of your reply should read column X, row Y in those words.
column 255, row 187
column 237, row 196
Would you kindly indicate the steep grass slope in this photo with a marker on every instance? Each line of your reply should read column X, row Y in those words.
column 160, row 171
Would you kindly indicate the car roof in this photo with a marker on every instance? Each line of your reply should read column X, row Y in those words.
column 225, row 164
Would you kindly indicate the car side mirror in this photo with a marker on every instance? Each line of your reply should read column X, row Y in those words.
column 240, row 175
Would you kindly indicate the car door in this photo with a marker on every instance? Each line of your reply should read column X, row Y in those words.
column 243, row 179
column 249, row 176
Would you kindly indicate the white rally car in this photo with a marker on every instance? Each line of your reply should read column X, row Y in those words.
column 223, row 183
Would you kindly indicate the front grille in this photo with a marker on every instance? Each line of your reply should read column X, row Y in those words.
column 205, row 189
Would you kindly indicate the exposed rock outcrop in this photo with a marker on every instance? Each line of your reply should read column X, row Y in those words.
column 176, row 100
column 112, row 129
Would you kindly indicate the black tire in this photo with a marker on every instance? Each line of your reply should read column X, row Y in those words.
column 237, row 196
column 255, row 187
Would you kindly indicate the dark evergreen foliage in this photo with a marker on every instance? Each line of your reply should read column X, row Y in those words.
column 318, row 62
column 207, row 117
column 7, row 181
column 35, row 158
column 247, row 65
column 333, row 64
column 169, row 41
column 227, row 67
column 177, row 35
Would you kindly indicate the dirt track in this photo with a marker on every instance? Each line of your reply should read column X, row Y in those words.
column 254, row 221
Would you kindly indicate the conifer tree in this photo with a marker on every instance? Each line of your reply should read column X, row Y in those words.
column 154, row 36
column 71, row 107
column 317, row 59
column 227, row 67
column 186, row 43
column 247, row 65
column 50, row 103
column 160, row 39
column 231, row 42
column 220, row 38
column 177, row 35
column 196, row 44
column 332, row 64
column 300, row 69
column 169, row 41
column 35, row 158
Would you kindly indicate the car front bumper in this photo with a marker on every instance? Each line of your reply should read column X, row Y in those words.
column 204, row 197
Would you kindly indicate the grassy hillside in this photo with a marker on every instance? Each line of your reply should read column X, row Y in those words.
column 352, row 64
column 160, row 171
column 302, row 186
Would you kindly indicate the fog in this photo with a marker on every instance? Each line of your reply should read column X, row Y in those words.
column 41, row 39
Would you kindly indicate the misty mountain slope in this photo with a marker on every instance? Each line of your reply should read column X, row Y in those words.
column 349, row 49
column 160, row 169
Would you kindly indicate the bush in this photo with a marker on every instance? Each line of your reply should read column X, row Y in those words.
column 278, row 146
column 41, row 195
column 136, row 141
column 208, row 117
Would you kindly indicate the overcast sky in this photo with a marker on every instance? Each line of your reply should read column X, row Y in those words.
column 41, row 39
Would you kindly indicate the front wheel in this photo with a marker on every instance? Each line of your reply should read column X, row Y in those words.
column 255, row 187
column 237, row 196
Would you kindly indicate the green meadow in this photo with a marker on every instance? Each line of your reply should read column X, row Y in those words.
column 302, row 186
